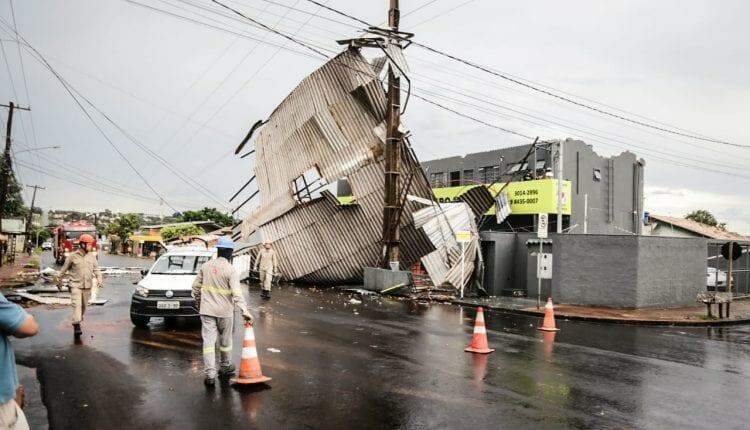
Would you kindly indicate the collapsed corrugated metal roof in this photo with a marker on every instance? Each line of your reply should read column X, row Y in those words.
column 332, row 126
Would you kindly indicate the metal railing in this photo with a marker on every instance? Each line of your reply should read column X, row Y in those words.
column 717, row 270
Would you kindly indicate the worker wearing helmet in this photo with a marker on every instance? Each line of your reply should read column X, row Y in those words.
column 83, row 269
column 216, row 291
column 266, row 264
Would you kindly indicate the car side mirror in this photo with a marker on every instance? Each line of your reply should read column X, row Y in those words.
column 144, row 272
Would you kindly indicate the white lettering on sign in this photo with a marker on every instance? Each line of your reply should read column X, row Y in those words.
column 542, row 226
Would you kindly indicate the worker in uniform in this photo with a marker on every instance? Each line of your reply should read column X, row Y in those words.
column 83, row 268
column 217, row 291
column 266, row 264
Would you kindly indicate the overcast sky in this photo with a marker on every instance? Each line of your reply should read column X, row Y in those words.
column 189, row 93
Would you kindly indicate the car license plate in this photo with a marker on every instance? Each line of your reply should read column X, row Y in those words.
column 168, row 305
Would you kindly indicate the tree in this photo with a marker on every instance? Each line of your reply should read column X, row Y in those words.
column 208, row 214
column 123, row 227
column 42, row 233
column 14, row 207
column 174, row 231
column 704, row 217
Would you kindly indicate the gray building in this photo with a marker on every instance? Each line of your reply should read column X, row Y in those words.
column 606, row 192
column 619, row 271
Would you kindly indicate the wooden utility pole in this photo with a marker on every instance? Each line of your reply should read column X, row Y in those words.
column 31, row 210
column 6, row 167
column 393, row 150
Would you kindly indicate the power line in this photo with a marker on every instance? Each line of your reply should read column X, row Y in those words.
column 270, row 29
column 25, row 81
column 244, row 35
column 91, row 119
column 445, row 12
column 66, row 178
column 212, row 93
column 244, row 84
column 198, row 187
column 540, row 90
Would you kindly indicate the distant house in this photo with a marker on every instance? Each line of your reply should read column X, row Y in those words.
column 147, row 241
column 662, row 225
column 14, row 233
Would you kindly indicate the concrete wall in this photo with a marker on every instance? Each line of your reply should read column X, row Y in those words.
column 669, row 270
column 624, row 271
column 597, row 270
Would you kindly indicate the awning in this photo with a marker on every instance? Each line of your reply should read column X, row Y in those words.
column 145, row 238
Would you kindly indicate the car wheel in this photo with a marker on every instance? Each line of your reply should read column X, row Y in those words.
column 139, row 320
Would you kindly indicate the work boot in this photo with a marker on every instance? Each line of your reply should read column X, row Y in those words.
column 227, row 371
column 266, row 294
column 209, row 382
column 77, row 330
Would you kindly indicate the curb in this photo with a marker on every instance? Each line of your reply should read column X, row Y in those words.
column 608, row 320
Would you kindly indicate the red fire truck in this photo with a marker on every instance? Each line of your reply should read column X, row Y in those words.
column 66, row 238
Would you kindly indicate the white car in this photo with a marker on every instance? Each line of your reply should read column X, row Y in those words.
column 165, row 290
column 713, row 280
column 47, row 246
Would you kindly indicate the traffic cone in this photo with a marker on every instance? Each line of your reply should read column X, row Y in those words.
column 549, row 317
column 479, row 340
column 249, row 365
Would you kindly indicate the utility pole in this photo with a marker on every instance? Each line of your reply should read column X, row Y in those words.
column 559, row 186
column 393, row 149
column 31, row 211
column 6, row 166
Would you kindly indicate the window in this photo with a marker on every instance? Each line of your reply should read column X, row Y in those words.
column 308, row 185
column 540, row 164
column 517, row 167
column 489, row 174
column 74, row 235
column 468, row 177
column 437, row 180
column 597, row 175
column 455, row 178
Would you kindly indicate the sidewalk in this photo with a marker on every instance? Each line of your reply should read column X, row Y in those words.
column 689, row 316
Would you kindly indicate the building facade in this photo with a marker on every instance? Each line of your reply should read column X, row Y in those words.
column 606, row 193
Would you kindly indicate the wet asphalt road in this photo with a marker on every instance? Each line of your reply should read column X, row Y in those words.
column 386, row 364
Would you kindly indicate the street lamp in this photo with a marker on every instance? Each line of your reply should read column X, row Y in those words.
column 38, row 149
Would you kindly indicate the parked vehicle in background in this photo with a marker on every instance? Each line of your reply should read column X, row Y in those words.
column 714, row 281
column 66, row 238
column 47, row 245
column 165, row 290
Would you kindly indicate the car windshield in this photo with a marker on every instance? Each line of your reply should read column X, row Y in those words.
column 74, row 235
column 178, row 264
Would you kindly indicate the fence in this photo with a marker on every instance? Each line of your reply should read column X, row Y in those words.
column 717, row 269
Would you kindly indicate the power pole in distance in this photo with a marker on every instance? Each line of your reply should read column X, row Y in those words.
column 6, row 166
column 31, row 210
column 393, row 149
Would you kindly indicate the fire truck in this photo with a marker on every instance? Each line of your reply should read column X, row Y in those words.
column 66, row 238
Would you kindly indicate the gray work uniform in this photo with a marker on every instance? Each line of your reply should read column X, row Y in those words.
column 216, row 290
column 266, row 264
column 84, row 273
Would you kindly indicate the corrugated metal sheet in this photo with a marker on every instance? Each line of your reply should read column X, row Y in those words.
column 479, row 199
column 330, row 121
column 440, row 222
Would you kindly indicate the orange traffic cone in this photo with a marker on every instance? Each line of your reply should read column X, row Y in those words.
column 549, row 317
column 250, row 365
column 479, row 340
